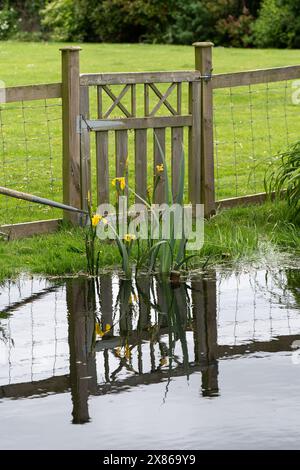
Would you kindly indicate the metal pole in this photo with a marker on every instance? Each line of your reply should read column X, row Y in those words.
column 39, row 200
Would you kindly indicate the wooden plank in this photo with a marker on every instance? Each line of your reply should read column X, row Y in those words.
column 203, row 63
column 194, row 159
column 253, row 77
column 71, row 136
column 85, row 152
column 141, row 164
column 138, row 77
column 179, row 98
column 133, row 100
column 177, row 149
column 28, row 229
column 258, row 198
column 99, row 102
column 33, row 92
column 163, row 99
column 121, row 154
column 146, row 100
column 159, row 148
column 102, row 164
column 140, row 123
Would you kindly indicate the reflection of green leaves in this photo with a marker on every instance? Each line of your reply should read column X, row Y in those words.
column 293, row 283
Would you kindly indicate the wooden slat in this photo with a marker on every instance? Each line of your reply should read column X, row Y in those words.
column 121, row 153
column 259, row 198
column 179, row 98
column 33, row 92
column 102, row 167
column 99, row 102
column 28, row 229
column 146, row 100
column 140, row 123
column 141, row 164
column 85, row 153
column 195, row 144
column 177, row 149
column 253, row 77
column 159, row 136
column 138, row 77
column 133, row 100
column 163, row 99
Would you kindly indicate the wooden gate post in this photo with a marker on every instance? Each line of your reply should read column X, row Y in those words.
column 203, row 63
column 71, row 136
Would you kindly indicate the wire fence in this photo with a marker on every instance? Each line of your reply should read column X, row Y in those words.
column 252, row 124
column 30, row 157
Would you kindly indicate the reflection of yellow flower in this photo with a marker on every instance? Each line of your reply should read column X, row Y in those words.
column 160, row 168
column 118, row 351
column 107, row 327
column 99, row 332
column 121, row 181
column 129, row 237
column 127, row 351
column 96, row 219
column 163, row 361
column 133, row 298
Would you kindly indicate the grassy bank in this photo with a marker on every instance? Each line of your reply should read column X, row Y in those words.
column 251, row 124
column 238, row 235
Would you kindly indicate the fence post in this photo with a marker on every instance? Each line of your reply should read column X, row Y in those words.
column 203, row 63
column 71, row 137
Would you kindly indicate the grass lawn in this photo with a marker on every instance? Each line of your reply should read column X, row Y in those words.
column 242, row 235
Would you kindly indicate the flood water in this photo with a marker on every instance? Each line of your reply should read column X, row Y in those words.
column 211, row 363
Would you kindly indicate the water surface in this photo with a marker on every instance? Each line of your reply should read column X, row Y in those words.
column 210, row 363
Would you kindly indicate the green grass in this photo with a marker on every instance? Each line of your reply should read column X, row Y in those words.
column 239, row 235
column 30, row 153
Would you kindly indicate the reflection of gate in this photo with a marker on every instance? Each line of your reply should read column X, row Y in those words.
column 71, row 359
column 152, row 105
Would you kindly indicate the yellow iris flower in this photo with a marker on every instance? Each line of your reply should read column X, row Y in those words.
column 121, row 181
column 160, row 168
column 96, row 219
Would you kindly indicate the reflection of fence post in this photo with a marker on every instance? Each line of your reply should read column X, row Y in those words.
column 203, row 63
column 205, row 331
column 71, row 136
column 81, row 308
column 106, row 302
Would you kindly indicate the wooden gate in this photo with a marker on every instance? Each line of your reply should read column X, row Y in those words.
column 148, row 119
